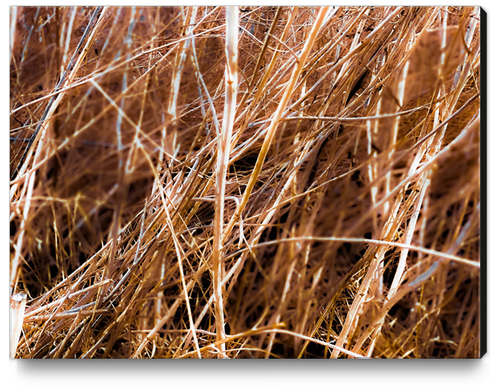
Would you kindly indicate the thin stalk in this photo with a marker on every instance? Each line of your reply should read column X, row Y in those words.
column 224, row 142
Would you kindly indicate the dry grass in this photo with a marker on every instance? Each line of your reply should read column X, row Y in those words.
column 245, row 183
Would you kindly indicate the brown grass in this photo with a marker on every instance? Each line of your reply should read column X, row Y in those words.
column 301, row 183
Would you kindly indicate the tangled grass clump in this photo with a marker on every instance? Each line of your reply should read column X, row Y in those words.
column 245, row 182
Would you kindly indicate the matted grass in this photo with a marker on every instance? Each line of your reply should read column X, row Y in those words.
column 245, row 182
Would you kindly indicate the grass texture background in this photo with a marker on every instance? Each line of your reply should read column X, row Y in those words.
column 245, row 182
